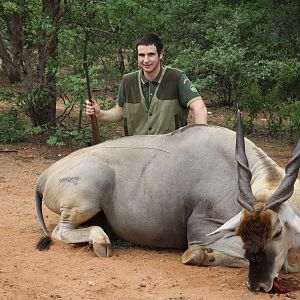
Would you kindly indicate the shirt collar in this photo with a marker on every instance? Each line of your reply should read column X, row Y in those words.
column 144, row 80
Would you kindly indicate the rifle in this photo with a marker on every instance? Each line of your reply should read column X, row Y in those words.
column 95, row 128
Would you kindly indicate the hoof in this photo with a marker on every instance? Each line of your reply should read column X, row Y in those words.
column 102, row 250
column 194, row 255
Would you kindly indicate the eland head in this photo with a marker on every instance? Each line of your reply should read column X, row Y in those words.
column 268, row 225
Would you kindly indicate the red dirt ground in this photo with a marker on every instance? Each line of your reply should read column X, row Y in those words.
column 74, row 272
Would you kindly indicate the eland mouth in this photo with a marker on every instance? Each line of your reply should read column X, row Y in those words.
column 277, row 287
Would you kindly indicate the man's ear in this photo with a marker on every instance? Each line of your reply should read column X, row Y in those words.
column 161, row 54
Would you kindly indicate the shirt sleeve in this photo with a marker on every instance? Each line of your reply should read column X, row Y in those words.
column 121, row 95
column 187, row 91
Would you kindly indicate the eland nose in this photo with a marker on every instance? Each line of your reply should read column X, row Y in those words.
column 259, row 287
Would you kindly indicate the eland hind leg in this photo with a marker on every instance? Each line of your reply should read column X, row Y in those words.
column 80, row 190
column 69, row 231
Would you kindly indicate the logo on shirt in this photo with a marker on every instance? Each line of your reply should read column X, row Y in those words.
column 193, row 89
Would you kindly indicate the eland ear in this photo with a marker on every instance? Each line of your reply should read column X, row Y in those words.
column 288, row 216
column 231, row 224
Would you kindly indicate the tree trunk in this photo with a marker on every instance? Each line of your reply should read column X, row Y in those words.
column 20, row 47
column 10, row 67
column 121, row 66
column 44, row 111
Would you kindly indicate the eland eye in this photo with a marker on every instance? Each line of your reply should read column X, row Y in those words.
column 278, row 233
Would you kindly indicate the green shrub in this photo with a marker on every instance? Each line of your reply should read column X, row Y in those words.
column 12, row 128
column 252, row 101
column 291, row 112
column 7, row 95
column 271, row 109
column 69, row 137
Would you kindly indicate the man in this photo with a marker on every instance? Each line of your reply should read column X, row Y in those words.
column 155, row 99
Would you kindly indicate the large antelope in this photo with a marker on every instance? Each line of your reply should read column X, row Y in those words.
column 181, row 190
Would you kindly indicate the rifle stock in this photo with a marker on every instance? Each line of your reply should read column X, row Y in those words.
column 95, row 128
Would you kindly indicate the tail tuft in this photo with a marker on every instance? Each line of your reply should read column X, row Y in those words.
column 44, row 243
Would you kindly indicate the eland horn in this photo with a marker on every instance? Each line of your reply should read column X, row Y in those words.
column 286, row 188
column 245, row 196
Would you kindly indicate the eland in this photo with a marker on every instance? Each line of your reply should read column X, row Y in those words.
column 204, row 189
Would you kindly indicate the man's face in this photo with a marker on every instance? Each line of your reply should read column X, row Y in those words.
column 149, row 59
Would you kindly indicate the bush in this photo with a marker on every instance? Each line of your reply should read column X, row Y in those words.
column 80, row 138
column 72, row 137
column 291, row 112
column 252, row 100
column 12, row 128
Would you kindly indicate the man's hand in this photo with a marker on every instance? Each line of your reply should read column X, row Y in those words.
column 114, row 114
column 93, row 109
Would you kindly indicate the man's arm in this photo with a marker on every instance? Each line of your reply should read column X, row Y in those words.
column 189, row 97
column 112, row 115
column 199, row 111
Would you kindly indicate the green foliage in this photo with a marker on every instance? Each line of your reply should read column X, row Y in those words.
column 75, row 138
column 107, row 131
column 38, row 130
column 242, row 53
column 252, row 101
column 226, row 65
column 271, row 109
column 291, row 112
column 230, row 122
column 72, row 137
column 9, row 6
column 12, row 128
column 288, row 80
column 248, row 126
column 7, row 95
column 30, row 101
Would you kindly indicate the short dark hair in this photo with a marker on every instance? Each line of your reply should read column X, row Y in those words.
column 150, row 39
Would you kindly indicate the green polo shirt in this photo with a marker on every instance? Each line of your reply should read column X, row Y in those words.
column 187, row 91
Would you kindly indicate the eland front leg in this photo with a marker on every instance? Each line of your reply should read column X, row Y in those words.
column 224, row 249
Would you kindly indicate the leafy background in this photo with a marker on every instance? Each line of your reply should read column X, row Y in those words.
column 238, row 53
